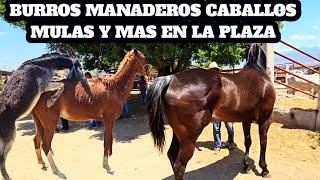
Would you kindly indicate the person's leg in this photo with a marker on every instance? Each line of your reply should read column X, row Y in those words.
column 216, row 133
column 65, row 124
column 92, row 123
column 229, row 126
column 143, row 94
column 126, row 109
column 99, row 123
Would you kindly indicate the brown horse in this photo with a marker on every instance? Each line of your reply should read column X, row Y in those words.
column 188, row 100
column 100, row 98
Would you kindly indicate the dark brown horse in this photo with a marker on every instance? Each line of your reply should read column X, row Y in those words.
column 100, row 98
column 188, row 101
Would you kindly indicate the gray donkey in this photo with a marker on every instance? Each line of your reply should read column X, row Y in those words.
column 23, row 90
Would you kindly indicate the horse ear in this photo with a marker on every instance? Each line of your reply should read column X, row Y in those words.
column 135, row 51
column 71, row 53
column 61, row 50
column 125, row 51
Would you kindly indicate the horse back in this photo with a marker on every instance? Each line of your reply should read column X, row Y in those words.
column 80, row 101
column 248, row 94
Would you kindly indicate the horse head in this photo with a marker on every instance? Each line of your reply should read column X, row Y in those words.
column 143, row 68
column 76, row 70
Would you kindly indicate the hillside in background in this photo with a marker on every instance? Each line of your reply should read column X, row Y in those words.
column 314, row 51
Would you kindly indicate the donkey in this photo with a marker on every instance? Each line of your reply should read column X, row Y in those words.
column 100, row 98
column 22, row 92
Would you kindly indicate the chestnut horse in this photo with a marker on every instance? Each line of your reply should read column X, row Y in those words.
column 100, row 98
column 190, row 99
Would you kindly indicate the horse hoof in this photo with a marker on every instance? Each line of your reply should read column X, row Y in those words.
column 6, row 178
column 265, row 174
column 109, row 171
column 60, row 175
column 45, row 168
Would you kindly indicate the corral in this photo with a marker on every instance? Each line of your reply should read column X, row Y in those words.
column 292, row 153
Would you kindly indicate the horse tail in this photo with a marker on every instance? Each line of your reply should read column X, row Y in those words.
column 156, row 124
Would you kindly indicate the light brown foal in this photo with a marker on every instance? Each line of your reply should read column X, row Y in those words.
column 100, row 98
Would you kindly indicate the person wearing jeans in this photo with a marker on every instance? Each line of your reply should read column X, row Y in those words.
column 95, row 123
column 217, row 134
column 125, row 110
column 143, row 88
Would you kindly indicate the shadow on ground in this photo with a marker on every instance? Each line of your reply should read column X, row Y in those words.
column 226, row 168
column 128, row 129
column 27, row 126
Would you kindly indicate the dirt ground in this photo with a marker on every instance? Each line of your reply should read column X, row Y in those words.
column 298, row 100
column 291, row 153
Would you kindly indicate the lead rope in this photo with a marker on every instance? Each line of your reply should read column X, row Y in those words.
column 73, row 69
column 145, row 73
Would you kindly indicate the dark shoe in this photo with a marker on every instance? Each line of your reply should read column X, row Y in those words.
column 64, row 130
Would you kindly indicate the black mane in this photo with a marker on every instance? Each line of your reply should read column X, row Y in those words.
column 256, row 58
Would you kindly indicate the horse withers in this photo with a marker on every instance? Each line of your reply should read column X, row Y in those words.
column 190, row 99
column 22, row 92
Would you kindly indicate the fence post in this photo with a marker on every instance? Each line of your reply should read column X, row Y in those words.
column 287, row 75
column 317, row 128
column 269, row 51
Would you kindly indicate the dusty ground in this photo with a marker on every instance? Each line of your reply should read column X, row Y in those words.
column 291, row 153
column 298, row 100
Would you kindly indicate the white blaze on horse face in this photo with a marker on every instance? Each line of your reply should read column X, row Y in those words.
column 106, row 165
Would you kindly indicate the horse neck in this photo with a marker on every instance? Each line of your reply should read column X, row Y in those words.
column 124, row 78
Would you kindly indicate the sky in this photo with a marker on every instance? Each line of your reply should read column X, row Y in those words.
column 14, row 49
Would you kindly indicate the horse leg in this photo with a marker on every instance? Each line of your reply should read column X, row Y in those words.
column 108, row 140
column 187, row 143
column 6, row 142
column 46, row 146
column 52, row 86
column 247, row 141
column 263, row 130
column 173, row 150
column 185, row 154
column 37, row 140
column 49, row 125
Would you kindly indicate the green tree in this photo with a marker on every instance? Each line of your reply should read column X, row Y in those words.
column 163, row 56
column 222, row 53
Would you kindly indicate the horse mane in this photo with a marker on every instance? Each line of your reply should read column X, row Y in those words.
column 46, row 57
column 256, row 58
column 109, row 82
